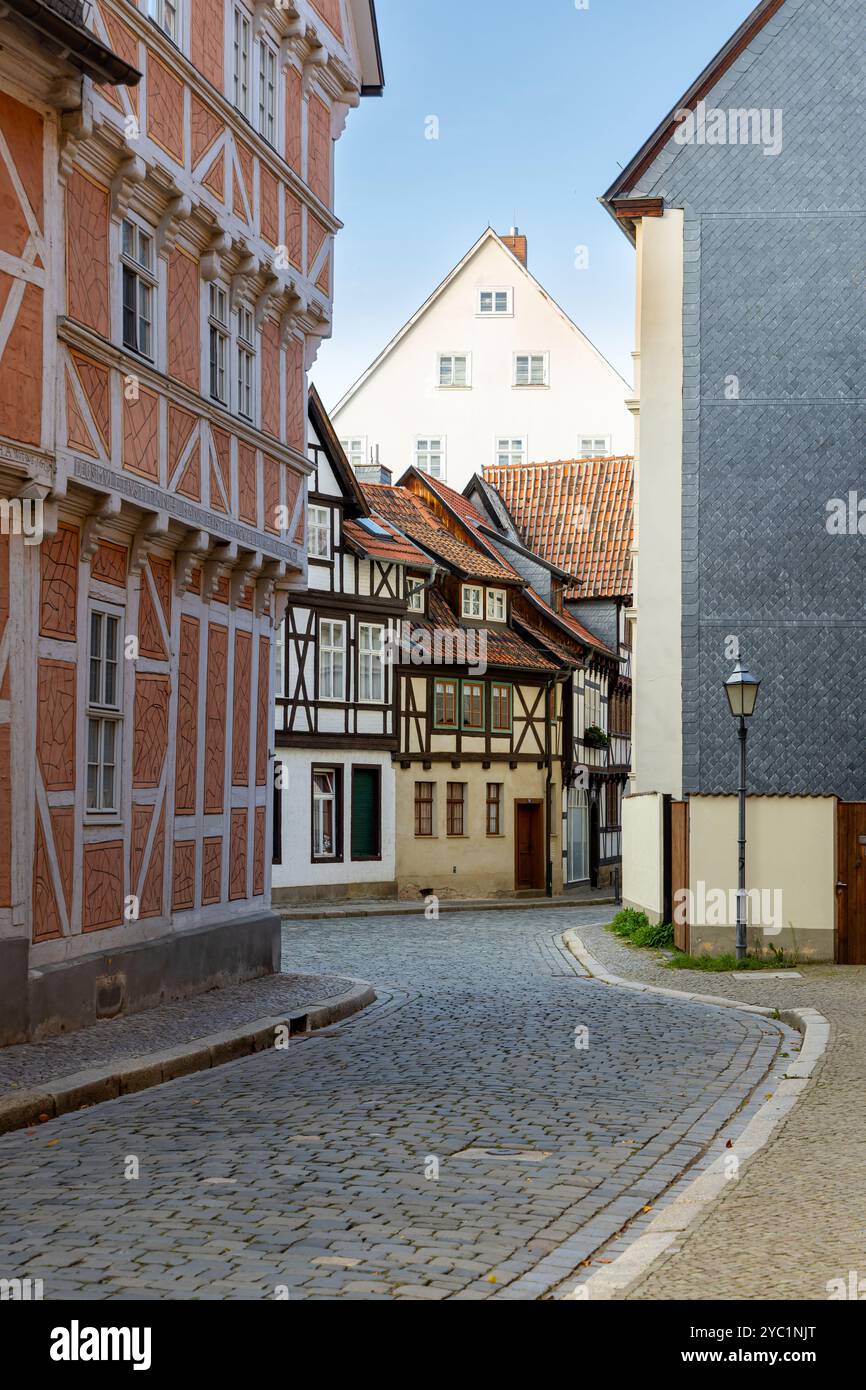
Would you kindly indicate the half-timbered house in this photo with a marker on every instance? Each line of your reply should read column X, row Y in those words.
column 166, row 185
column 334, row 794
column 483, row 709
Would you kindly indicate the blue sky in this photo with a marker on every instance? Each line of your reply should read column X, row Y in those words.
column 539, row 104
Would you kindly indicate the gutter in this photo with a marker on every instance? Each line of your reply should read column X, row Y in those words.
column 77, row 44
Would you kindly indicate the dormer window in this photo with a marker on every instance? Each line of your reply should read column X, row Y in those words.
column 473, row 602
column 495, row 303
column 415, row 588
column 496, row 606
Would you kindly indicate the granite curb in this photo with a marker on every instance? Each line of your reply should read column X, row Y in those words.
column 312, row 913
column 46, row 1101
column 694, row 1201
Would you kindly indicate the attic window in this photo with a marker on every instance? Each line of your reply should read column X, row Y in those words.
column 473, row 601
column 594, row 446
column 455, row 369
column 496, row 606
column 495, row 303
column 374, row 529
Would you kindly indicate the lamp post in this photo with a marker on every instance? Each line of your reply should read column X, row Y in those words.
column 742, row 689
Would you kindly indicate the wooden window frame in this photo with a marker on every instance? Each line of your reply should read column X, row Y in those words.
column 100, row 711
column 445, row 680
column 496, row 594
column 422, row 802
column 473, row 728
column 531, row 385
column 452, row 802
column 495, row 803
column 453, row 358
column 472, row 589
column 494, row 727
column 373, row 654
column 331, row 647
column 421, row 457
column 317, row 526
column 494, row 291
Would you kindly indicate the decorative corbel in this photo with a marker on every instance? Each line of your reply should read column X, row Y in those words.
column 177, row 212
column 211, row 261
column 65, row 92
column 269, row 290
column 226, row 553
column 248, row 269
column 247, row 570
column 195, row 547
column 76, row 126
column 316, row 60
column 282, row 593
column 90, row 532
column 132, row 171
column 152, row 530
column 296, row 304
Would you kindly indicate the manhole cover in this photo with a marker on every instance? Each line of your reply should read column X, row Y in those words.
column 505, row 1153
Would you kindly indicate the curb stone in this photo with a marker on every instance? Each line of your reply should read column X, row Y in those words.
column 316, row 914
column 698, row 1195
column 19, row 1109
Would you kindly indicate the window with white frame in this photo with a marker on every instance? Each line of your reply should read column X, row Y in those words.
column 495, row 303
column 242, row 60
column 104, row 712
column 510, row 451
column 246, row 349
column 416, row 592
column 591, row 707
column 319, row 533
column 166, row 13
column 355, row 451
column 332, row 660
column 455, row 369
column 594, row 446
column 473, row 601
column 139, row 287
column 326, row 807
column 430, row 455
column 218, row 322
column 371, row 663
column 267, row 91
column 496, row 605
column 531, row 369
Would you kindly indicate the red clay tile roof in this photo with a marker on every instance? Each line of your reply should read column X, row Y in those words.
column 469, row 516
column 397, row 550
column 503, row 646
column 576, row 514
column 576, row 629
column 410, row 514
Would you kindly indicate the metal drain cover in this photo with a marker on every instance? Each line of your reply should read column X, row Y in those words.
column 504, row 1153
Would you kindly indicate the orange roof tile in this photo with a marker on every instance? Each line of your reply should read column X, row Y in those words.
column 410, row 514
column 576, row 514
column 398, row 549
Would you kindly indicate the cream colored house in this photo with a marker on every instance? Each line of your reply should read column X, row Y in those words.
column 489, row 371
column 748, row 400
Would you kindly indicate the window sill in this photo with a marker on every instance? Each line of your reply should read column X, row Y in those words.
column 531, row 386
column 112, row 820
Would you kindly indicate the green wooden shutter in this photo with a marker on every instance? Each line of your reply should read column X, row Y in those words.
column 365, row 813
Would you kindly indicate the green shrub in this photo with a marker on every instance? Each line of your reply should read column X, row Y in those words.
column 628, row 921
column 729, row 962
column 657, row 934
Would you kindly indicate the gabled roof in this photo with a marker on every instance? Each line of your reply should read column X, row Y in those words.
column 579, row 515
column 503, row 647
column 343, row 470
column 394, row 547
column 460, row 508
column 370, row 52
column 711, row 75
column 411, row 515
column 487, row 236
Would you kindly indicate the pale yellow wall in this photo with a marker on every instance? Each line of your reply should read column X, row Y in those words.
column 643, row 854
column 485, row 866
column 657, row 750
column 790, row 845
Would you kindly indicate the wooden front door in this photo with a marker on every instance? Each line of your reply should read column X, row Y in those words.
column 679, row 870
column 851, row 883
column 529, row 856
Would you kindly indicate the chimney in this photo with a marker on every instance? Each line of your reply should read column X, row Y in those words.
column 516, row 245
column 374, row 473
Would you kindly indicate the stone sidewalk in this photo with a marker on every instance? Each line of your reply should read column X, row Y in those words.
column 42, row 1079
column 796, row 1218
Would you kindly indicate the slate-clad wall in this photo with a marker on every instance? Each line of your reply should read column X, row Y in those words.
column 775, row 296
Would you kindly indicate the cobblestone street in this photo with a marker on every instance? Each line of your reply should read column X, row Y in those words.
column 336, row 1167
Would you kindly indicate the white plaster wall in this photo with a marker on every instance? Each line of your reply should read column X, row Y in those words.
column 402, row 399
column 643, row 854
column 297, row 870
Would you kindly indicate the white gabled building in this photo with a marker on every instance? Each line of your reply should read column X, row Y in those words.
column 489, row 371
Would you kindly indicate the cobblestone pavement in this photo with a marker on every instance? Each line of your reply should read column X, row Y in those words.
column 312, row 1171
column 168, row 1025
column 797, row 1216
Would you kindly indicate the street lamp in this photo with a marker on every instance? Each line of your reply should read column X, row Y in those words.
column 742, row 689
